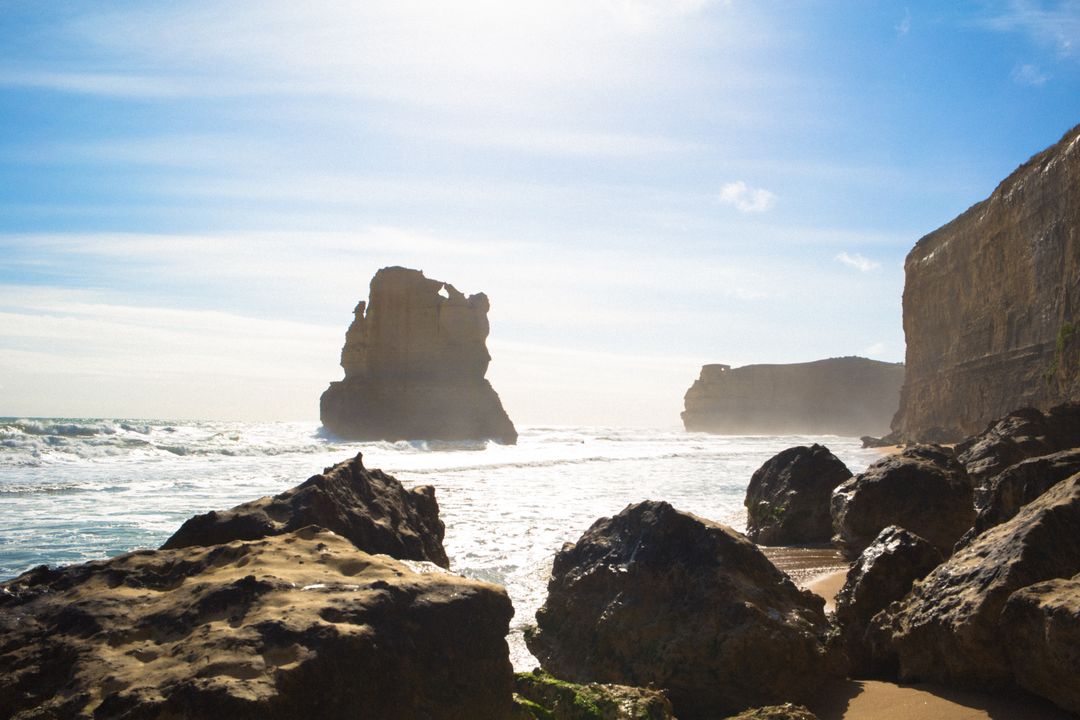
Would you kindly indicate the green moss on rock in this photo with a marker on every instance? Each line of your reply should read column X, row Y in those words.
column 541, row 696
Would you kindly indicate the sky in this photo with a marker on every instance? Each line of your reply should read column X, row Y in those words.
column 194, row 195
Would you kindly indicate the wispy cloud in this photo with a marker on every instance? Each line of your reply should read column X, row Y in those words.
column 857, row 261
column 1029, row 74
column 904, row 26
column 1054, row 24
column 875, row 350
column 745, row 198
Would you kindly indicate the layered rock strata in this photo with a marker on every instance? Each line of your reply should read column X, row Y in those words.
column 293, row 626
column 415, row 358
column 990, row 304
column 787, row 501
column 841, row 396
column 657, row 596
column 367, row 507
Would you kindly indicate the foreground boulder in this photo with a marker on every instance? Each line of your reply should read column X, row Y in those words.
column 883, row 574
column 923, row 489
column 367, row 507
column 949, row 629
column 539, row 696
column 787, row 711
column 1008, row 491
column 415, row 358
column 787, row 501
column 656, row 596
column 1042, row 634
column 293, row 626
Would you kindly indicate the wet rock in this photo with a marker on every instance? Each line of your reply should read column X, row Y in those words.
column 787, row 711
column 948, row 628
column 415, row 358
column 654, row 596
column 292, row 626
column 368, row 507
column 787, row 501
column 883, row 574
column 1041, row 626
column 540, row 696
column 923, row 489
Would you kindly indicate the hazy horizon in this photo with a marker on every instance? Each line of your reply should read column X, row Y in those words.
column 195, row 196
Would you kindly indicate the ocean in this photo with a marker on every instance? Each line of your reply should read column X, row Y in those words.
column 77, row 490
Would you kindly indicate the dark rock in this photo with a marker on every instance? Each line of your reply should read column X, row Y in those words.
column 787, row 501
column 1041, row 626
column 1018, row 485
column 654, row 596
column 294, row 626
column 923, row 489
column 948, row 628
column 542, row 697
column 842, row 396
column 883, row 574
column 977, row 348
column 1017, row 436
column 787, row 711
column 367, row 507
column 415, row 358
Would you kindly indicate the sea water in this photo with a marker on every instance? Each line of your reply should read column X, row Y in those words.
column 78, row 490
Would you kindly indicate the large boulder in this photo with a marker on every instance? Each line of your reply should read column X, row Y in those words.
column 1005, row 493
column 539, row 696
column 661, row 597
column 787, row 501
column 923, row 489
column 415, row 357
column 1041, row 626
column 367, row 507
column 883, row 574
column 948, row 628
column 787, row 711
column 293, row 626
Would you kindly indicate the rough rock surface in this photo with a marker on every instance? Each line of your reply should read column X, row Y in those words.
column 883, row 574
column 787, row 501
column 978, row 348
column 294, row 626
column 1019, row 435
column 923, row 489
column 842, row 396
column 948, row 628
column 415, row 358
column 656, row 596
column 787, row 711
column 1042, row 633
column 1015, row 487
column 367, row 507
column 539, row 696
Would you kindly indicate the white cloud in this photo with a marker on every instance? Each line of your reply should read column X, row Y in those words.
column 1053, row 25
column 745, row 198
column 857, row 261
column 875, row 350
column 904, row 26
column 1029, row 74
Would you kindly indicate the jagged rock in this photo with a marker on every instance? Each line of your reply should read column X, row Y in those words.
column 540, row 696
column 787, row 711
column 883, row 574
column 367, row 507
column 923, row 488
column 293, row 626
column 1042, row 634
column 948, row 628
column 787, row 501
column 415, row 358
column 1019, row 435
column 842, row 396
column 1018, row 485
column 661, row 597
column 978, row 349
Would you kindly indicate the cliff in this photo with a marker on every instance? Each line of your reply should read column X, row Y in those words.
column 415, row 358
column 841, row 396
column 990, row 304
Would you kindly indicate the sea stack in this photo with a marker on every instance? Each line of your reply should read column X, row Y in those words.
column 990, row 304
column 415, row 358
column 839, row 396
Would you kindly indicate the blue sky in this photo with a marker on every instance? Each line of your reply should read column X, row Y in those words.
column 194, row 195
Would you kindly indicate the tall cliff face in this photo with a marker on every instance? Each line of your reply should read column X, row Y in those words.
column 415, row 358
column 990, row 304
column 842, row 396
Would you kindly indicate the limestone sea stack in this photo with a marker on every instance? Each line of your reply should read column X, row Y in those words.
column 841, row 396
column 415, row 358
column 990, row 313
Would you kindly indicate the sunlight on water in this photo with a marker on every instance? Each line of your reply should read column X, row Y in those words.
column 77, row 490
